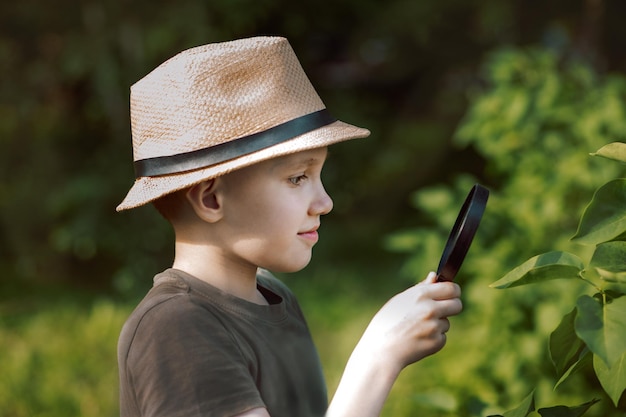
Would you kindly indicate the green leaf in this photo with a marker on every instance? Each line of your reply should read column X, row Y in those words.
column 605, row 216
column 584, row 360
column 609, row 261
column 563, row 411
column 565, row 345
column 615, row 151
column 612, row 379
column 526, row 407
column 602, row 326
column 548, row 266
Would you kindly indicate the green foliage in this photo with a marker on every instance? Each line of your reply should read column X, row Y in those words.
column 601, row 324
column 533, row 121
column 598, row 324
column 552, row 265
column 615, row 151
column 523, row 409
column 612, row 378
column 608, row 262
column 527, row 406
column 604, row 219
column 58, row 360
column 567, row 350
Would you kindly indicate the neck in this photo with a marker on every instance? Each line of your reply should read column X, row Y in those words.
column 209, row 264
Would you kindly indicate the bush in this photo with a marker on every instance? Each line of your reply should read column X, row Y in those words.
column 60, row 361
column 534, row 122
column 594, row 332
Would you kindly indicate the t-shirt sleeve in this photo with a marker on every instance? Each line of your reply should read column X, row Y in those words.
column 183, row 362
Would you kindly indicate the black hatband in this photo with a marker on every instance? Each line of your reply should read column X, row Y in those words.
column 201, row 158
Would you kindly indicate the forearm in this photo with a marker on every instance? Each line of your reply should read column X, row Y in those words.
column 409, row 327
column 364, row 386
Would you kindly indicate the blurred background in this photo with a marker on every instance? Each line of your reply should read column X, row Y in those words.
column 509, row 93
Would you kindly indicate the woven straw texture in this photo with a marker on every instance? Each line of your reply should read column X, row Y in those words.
column 214, row 94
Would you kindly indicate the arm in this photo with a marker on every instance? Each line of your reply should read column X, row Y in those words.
column 409, row 327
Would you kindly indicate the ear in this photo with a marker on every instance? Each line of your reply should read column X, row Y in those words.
column 205, row 200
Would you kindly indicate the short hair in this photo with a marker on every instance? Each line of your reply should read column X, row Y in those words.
column 171, row 205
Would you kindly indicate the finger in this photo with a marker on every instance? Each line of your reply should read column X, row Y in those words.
column 430, row 278
column 445, row 325
column 440, row 340
column 450, row 307
column 445, row 290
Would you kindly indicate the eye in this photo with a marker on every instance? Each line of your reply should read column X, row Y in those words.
column 297, row 179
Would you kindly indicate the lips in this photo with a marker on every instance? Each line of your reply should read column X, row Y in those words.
column 310, row 234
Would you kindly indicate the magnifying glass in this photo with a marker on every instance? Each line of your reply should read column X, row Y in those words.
column 462, row 233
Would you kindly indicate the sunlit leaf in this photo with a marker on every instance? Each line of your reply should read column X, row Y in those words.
column 602, row 326
column 605, row 216
column 615, row 150
column 563, row 411
column 548, row 266
column 612, row 379
column 565, row 345
column 609, row 261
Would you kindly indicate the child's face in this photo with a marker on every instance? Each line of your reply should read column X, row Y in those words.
column 272, row 211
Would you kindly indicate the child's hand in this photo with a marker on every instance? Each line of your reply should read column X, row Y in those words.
column 412, row 324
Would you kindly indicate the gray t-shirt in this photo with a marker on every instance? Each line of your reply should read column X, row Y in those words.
column 190, row 349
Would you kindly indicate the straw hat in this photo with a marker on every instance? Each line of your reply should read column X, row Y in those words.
column 215, row 108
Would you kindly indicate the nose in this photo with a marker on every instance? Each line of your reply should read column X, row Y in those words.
column 322, row 204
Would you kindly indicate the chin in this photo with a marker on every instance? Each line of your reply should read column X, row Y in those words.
column 293, row 267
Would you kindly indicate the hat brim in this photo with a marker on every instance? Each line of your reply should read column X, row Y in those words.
column 148, row 189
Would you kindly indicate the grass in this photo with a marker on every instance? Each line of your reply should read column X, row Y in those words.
column 60, row 361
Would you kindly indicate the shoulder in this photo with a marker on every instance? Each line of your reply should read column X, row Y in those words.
column 169, row 294
column 168, row 310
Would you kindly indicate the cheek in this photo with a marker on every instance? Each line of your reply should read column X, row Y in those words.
column 281, row 213
column 264, row 213
column 260, row 215
column 258, row 223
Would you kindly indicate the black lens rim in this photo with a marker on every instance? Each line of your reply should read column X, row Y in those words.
column 462, row 233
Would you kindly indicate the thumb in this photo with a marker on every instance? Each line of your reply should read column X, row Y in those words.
column 431, row 278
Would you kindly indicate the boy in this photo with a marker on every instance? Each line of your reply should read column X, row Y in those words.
column 229, row 141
